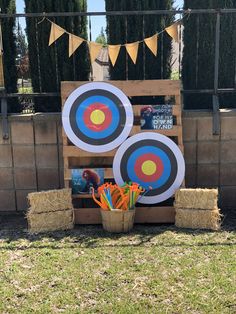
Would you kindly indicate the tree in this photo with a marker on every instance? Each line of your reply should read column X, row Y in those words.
column 199, row 53
column 21, row 43
column 22, row 59
column 101, row 39
column 135, row 29
column 51, row 65
column 9, row 49
column 23, row 69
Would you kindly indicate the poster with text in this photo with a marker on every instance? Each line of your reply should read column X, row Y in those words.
column 157, row 117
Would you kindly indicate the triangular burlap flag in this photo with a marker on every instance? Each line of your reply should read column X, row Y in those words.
column 173, row 31
column 56, row 32
column 132, row 50
column 151, row 42
column 113, row 51
column 94, row 49
column 74, row 43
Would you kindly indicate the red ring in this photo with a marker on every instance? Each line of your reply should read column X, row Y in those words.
column 138, row 167
column 94, row 127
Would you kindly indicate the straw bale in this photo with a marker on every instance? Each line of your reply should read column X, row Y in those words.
column 196, row 198
column 198, row 219
column 44, row 222
column 50, row 201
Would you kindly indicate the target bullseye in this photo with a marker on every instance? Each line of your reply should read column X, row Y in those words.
column 97, row 117
column 149, row 167
column 152, row 160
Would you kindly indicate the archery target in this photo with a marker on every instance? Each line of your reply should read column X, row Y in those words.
column 97, row 117
column 153, row 161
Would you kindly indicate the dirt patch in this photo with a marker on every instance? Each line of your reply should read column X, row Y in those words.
column 14, row 226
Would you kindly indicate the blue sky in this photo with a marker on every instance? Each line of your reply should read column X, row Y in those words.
column 93, row 6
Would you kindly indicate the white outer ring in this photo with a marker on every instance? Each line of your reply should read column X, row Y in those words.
column 99, row 148
column 165, row 140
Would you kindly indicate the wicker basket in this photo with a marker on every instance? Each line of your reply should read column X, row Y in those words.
column 118, row 221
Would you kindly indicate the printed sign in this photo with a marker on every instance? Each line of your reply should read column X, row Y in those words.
column 158, row 117
column 83, row 180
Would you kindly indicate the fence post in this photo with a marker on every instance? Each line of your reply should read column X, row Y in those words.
column 5, row 129
column 215, row 97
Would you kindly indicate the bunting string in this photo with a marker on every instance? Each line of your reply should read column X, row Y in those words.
column 113, row 50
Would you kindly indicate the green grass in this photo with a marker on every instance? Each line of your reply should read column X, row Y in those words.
column 155, row 269
column 175, row 75
column 25, row 90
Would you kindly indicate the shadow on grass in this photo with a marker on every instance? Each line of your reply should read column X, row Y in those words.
column 14, row 235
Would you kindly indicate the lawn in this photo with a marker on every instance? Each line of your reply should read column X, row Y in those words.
column 154, row 269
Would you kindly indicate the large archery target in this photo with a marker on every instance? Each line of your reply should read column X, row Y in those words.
column 97, row 117
column 152, row 160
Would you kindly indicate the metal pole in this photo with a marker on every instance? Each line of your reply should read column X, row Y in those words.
column 90, row 39
column 126, row 54
column 122, row 13
column 215, row 98
column 144, row 51
column 5, row 129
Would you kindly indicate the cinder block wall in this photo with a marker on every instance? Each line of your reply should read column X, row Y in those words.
column 32, row 160
column 211, row 159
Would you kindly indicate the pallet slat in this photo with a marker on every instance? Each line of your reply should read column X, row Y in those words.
column 134, row 88
column 73, row 151
column 164, row 214
column 83, row 196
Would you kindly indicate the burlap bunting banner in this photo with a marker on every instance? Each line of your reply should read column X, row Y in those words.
column 113, row 50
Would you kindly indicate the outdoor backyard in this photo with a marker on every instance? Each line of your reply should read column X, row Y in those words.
column 117, row 157
column 154, row 269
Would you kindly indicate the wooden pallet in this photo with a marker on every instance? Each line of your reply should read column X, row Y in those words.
column 86, row 213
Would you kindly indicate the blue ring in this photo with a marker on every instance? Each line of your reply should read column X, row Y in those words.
column 147, row 150
column 93, row 134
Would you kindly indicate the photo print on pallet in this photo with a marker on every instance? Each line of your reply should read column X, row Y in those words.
column 83, row 181
column 156, row 117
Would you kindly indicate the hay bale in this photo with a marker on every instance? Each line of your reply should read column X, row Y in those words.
column 196, row 199
column 50, row 201
column 44, row 222
column 198, row 219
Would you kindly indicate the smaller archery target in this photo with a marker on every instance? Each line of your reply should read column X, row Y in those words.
column 153, row 161
column 97, row 117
